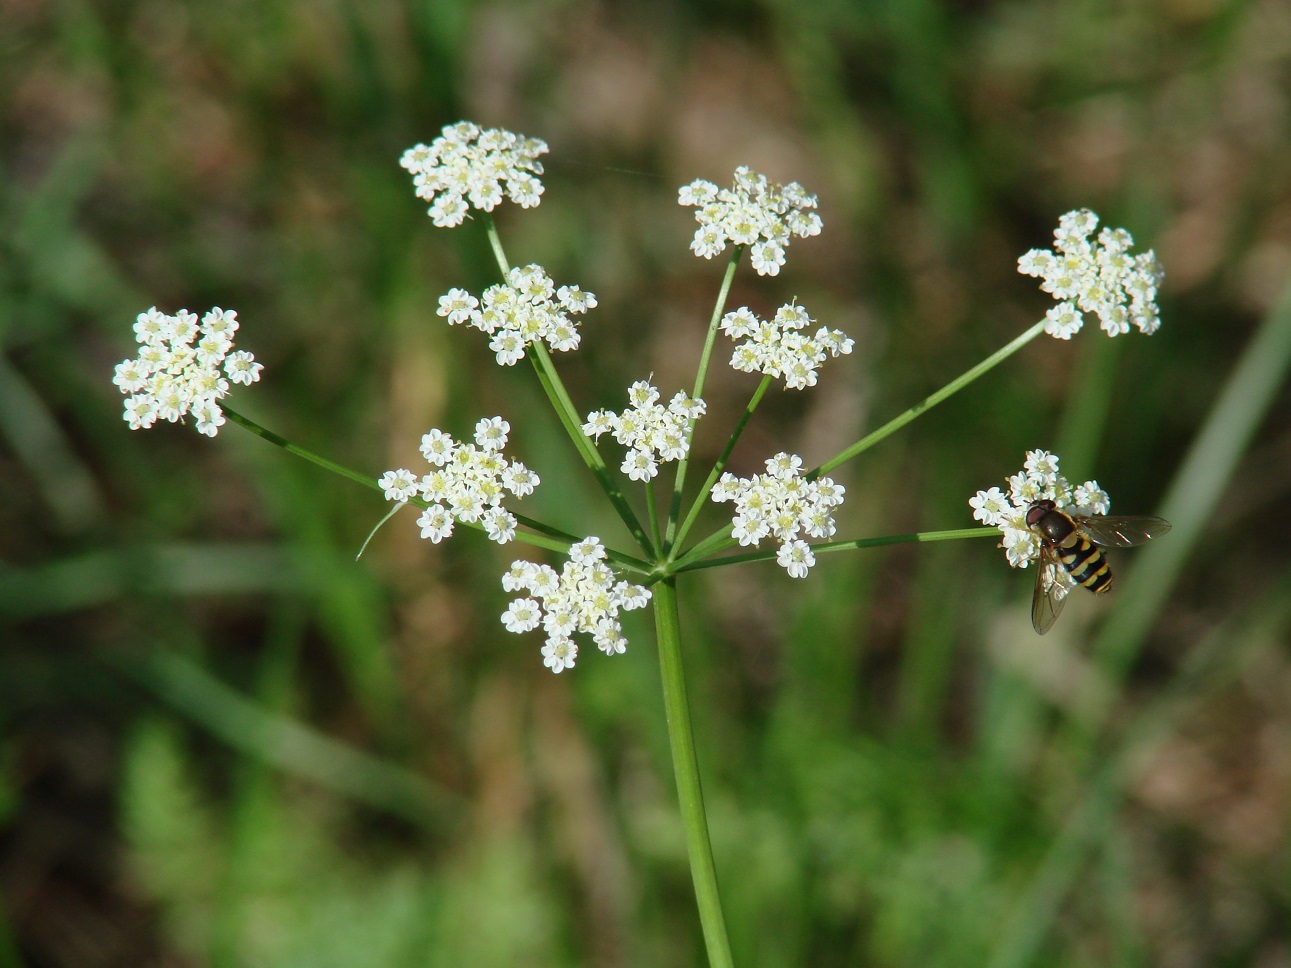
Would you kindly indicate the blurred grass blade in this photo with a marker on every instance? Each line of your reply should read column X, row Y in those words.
column 1197, row 489
column 285, row 743
column 67, row 486
column 99, row 577
column 1216, row 661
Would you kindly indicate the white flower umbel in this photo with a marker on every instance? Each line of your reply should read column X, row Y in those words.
column 754, row 212
column 1095, row 276
column 650, row 431
column 1039, row 480
column 782, row 347
column 782, row 504
column 469, row 166
column 467, row 482
column 183, row 368
column 585, row 596
column 525, row 309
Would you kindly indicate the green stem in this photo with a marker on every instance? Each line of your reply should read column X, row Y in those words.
column 652, row 510
column 569, row 419
column 544, row 536
column 679, row 483
column 495, row 241
column 686, row 767
column 955, row 385
column 697, row 557
column 291, row 448
column 720, row 466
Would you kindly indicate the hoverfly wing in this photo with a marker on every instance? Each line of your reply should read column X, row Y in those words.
column 1050, row 592
column 1120, row 531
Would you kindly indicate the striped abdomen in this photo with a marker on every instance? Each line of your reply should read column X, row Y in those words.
column 1079, row 555
column 1086, row 562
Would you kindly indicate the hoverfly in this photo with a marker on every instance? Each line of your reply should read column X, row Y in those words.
column 1071, row 541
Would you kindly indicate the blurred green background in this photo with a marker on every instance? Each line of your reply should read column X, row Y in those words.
column 227, row 743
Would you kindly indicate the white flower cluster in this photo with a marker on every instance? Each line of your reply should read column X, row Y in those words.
column 780, row 347
column 182, row 368
column 467, row 163
column 755, row 213
column 583, row 597
column 651, row 432
column 526, row 308
column 1099, row 277
column 467, row 482
column 1039, row 480
column 782, row 504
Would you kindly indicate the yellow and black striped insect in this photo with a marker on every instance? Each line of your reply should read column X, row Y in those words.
column 1071, row 542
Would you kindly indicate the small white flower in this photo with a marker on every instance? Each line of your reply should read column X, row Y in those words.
column 519, row 576
column 609, row 638
column 524, row 615
column 796, row 558
column 749, row 527
column 727, row 488
column 131, row 376
column 1063, row 320
column 989, row 506
column 575, row 300
column 518, row 479
column 1090, row 495
column 766, row 257
column 399, row 485
column 784, row 466
column 599, row 422
column 1041, row 464
column 210, row 418
column 499, row 524
column 508, row 347
column 436, row 523
column 457, row 305
column 589, row 549
column 141, row 412
column 491, row 433
column 640, row 465
column 559, row 654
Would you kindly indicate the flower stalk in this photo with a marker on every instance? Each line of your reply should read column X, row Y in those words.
column 685, row 763
column 930, row 401
column 671, row 538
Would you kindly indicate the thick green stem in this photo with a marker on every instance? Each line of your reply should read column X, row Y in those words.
column 652, row 510
column 686, row 767
column 955, row 385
